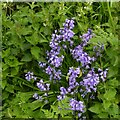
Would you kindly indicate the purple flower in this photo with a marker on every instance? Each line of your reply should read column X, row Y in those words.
column 56, row 61
column 77, row 105
column 86, row 37
column 63, row 91
column 42, row 64
column 30, row 76
column 49, row 70
column 42, row 86
column 57, row 74
column 35, row 96
column 81, row 56
column 66, row 32
column 54, row 74
column 90, row 81
column 103, row 74
column 60, row 97
column 69, row 24
column 73, row 74
column 98, row 49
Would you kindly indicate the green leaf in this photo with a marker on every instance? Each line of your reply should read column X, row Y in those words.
column 110, row 94
column 4, row 83
column 24, row 96
column 106, row 104
column 113, row 110
column 103, row 115
column 15, row 70
column 35, row 104
column 27, row 57
column 55, row 109
column 112, row 72
column 96, row 108
column 35, row 51
column 38, row 114
column 113, row 83
column 48, row 113
column 43, row 41
column 34, row 39
column 10, row 88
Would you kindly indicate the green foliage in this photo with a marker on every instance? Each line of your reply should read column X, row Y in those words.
column 26, row 31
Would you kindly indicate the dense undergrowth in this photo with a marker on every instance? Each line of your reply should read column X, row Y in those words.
column 27, row 30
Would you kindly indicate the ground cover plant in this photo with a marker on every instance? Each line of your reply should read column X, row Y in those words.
column 60, row 60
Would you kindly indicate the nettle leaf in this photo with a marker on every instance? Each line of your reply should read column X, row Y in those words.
column 110, row 94
column 4, row 83
column 15, row 70
column 10, row 88
column 113, row 83
column 64, row 106
column 35, row 51
column 5, row 95
column 96, row 108
column 106, row 104
column 113, row 110
column 12, row 61
column 43, row 41
column 23, row 30
column 113, row 39
column 34, row 39
column 38, row 114
column 24, row 96
column 27, row 57
column 35, row 104
column 4, row 66
column 6, row 53
column 55, row 109
column 48, row 113
column 113, row 71
column 17, row 111
column 103, row 115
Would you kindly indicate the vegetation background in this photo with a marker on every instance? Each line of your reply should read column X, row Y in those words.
column 26, row 32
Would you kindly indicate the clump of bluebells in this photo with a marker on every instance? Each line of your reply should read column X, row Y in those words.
column 82, row 79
